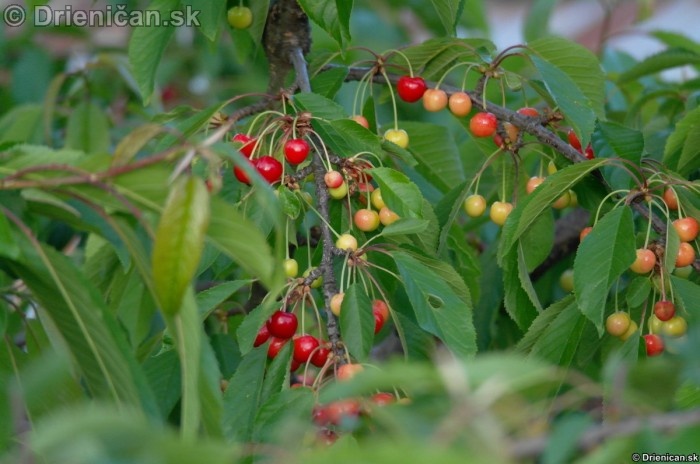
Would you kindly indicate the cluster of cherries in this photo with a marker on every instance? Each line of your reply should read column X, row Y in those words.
column 482, row 124
column 296, row 151
column 279, row 329
column 664, row 321
column 343, row 414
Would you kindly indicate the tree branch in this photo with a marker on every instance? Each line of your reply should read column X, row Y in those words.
column 661, row 422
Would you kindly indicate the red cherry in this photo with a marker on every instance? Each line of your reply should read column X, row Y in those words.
column 339, row 410
column 378, row 321
column 573, row 139
column 589, row 152
column 282, row 325
column 319, row 414
column 383, row 398
column 294, row 365
column 411, row 89
column 241, row 175
column 361, row 120
column 671, row 199
column 664, row 310
column 381, row 307
column 333, row 179
column 262, row 336
column 247, row 142
column 275, row 346
column 296, row 151
column 304, row 345
column 528, row 111
column 320, row 356
column 585, row 231
column 483, row 124
column 654, row 344
column 269, row 168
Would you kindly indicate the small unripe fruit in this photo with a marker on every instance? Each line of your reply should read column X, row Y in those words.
column 562, row 202
column 585, row 231
column 645, row 262
column 366, row 220
column 361, row 120
column 239, row 17
column 291, row 268
column 434, row 100
column 336, row 303
column 348, row 371
column 475, row 205
column 686, row 255
column 346, row 242
column 664, row 310
column 671, row 199
column 687, row 228
column 397, row 136
column 674, row 327
column 377, row 200
column 333, row 179
column 631, row 330
column 533, row 183
column 654, row 344
column 499, row 212
column 387, row 216
column 460, row 104
column 340, row 192
column 566, row 280
column 618, row 323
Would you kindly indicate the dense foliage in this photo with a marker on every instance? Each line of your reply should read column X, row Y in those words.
column 438, row 252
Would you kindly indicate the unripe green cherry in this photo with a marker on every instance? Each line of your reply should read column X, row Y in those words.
column 291, row 267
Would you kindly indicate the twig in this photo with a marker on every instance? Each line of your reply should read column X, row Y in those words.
column 663, row 422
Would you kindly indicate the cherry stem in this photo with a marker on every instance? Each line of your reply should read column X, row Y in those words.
column 393, row 99
column 388, row 54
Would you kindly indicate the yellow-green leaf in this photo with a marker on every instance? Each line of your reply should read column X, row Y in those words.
column 179, row 241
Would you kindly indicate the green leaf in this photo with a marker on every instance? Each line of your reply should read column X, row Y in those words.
column 682, row 150
column 21, row 124
column 209, row 299
column 612, row 139
column 320, row 107
column 179, row 241
column 290, row 203
column 449, row 12
column 252, row 323
column 580, row 65
column 673, row 243
column 88, row 129
column 537, row 20
column 187, row 127
column 607, row 252
column 209, row 16
column 276, row 411
column 327, row 83
column 357, row 322
column 667, row 59
column 8, row 245
column 564, row 439
column 542, row 322
column 164, row 377
column 400, row 194
column 405, row 226
column 637, row 291
column 438, row 158
column 529, row 209
column 226, row 228
column 277, row 373
column 130, row 145
column 517, row 300
column 688, row 294
column 575, row 105
column 556, row 333
column 242, row 396
column 440, row 300
column 146, row 48
column 260, row 10
column 437, row 55
column 332, row 16
column 80, row 318
column 345, row 137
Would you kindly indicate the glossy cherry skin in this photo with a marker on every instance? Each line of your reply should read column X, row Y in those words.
column 411, row 89
column 483, row 124
column 275, row 347
column 248, row 143
column 262, row 336
column 296, row 151
column 654, row 344
column 282, row 324
column 687, row 228
column 320, row 356
column 304, row 346
column 664, row 310
column 241, row 175
column 269, row 168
